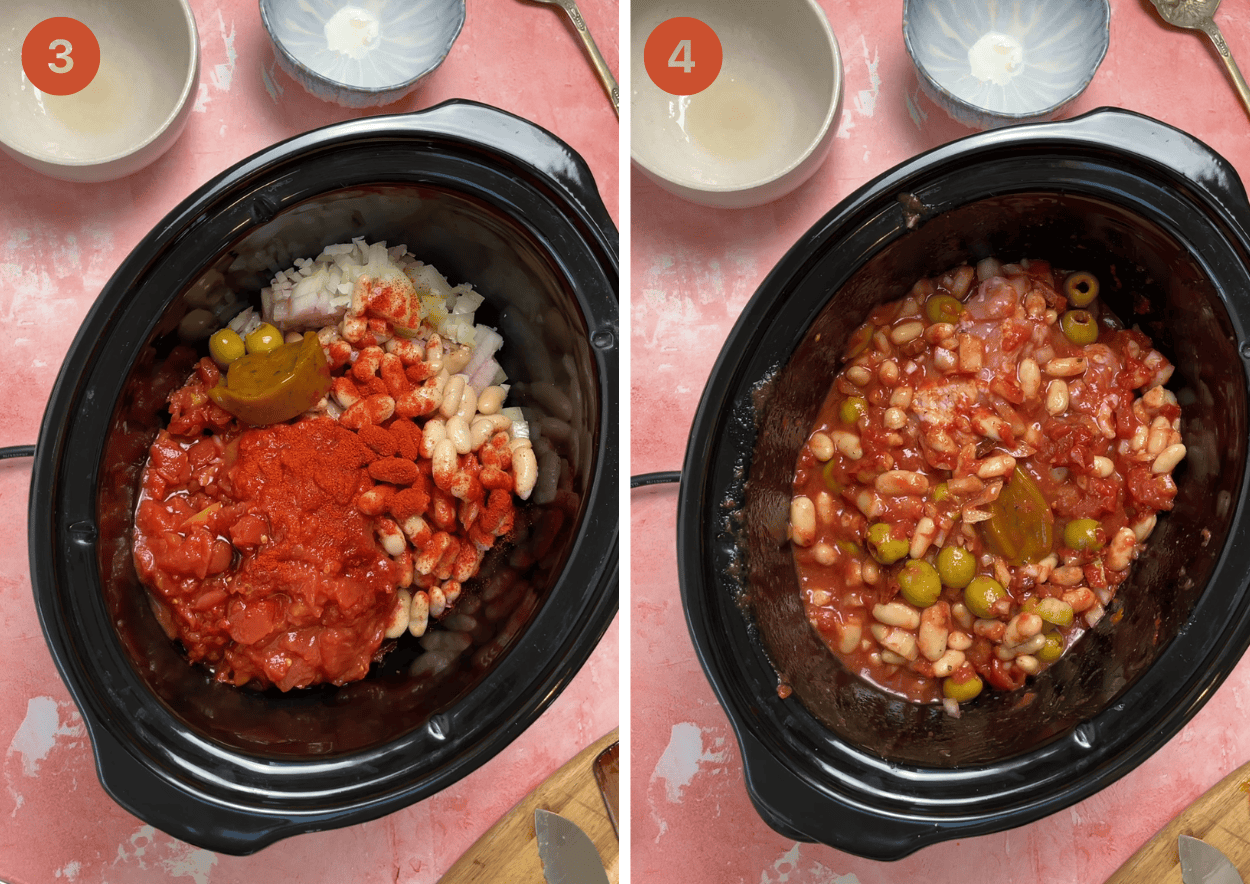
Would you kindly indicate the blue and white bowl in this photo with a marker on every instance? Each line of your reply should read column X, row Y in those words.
column 990, row 63
column 361, row 53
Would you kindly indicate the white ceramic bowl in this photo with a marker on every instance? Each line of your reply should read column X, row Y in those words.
column 361, row 53
column 1013, row 61
column 130, row 113
column 769, row 116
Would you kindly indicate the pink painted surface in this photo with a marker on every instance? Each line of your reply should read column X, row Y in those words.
column 59, row 243
column 693, row 270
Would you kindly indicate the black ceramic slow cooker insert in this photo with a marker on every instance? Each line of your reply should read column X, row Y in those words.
column 1162, row 220
column 485, row 197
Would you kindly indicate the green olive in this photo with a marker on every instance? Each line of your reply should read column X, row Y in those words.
column 1055, row 611
column 1079, row 327
column 961, row 691
column 225, row 346
column 1081, row 289
column 919, row 583
column 941, row 492
column 956, row 566
column 981, row 593
column 1052, row 650
column 829, row 473
column 943, row 308
column 884, row 548
column 1082, row 535
column 851, row 549
column 263, row 339
column 859, row 341
column 852, row 409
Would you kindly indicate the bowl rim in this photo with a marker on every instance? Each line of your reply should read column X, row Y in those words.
column 170, row 122
column 813, row 147
column 985, row 115
column 460, row 7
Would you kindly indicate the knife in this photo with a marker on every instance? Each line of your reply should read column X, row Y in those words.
column 1202, row 863
column 607, row 774
column 567, row 853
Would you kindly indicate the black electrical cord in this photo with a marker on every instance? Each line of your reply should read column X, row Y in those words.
column 17, row 451
column 644, row 479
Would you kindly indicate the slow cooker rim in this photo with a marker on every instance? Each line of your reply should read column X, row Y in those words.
column 599, row 317
column 711, row 415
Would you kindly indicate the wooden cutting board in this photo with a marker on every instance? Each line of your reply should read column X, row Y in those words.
column 1220, row 817
column 509, row 849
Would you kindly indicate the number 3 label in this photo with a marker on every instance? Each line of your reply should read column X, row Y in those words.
column 64, row 63
column 60, row 56
column 683, row 56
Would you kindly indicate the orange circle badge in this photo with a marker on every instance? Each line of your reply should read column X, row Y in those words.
column 682, row 56
column 60, row 56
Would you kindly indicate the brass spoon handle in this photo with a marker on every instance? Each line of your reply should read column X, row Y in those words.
column 596, row 57
column 1212, row 30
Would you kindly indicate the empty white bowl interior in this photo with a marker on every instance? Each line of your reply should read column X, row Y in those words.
column 145, row 67
column 366, row 44
column 1013, row 57
column 765, row 111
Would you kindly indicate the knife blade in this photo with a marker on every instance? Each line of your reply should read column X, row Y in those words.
column 607, row 774
column 567, row 853
column 1202, row 863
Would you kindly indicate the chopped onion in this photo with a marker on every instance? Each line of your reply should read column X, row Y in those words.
column 467, row 302
column 488, row 343
column 520, row 426
column 988, row 267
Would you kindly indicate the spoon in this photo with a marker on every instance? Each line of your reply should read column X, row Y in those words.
column 596, row 58
column 1198, row 15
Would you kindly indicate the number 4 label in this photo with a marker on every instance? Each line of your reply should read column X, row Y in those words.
column 683, row 56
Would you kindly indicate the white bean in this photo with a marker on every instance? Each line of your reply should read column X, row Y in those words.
column 948, row 663
column 434, row 431
column 1065, row 366
column 419, row 613
column 850, row 635
column 908, row 331
column 459, row 434
column 934, row 630
column 848, row 444
column 452, row 394
column 1030, row 377
column 1168, row 459
column 1057, row 397
column 899, row 483
column 398, row 624
column 858, row 375
column 491, row 400
column 922, row 537
column 822, row 446
column 903, row 643
column 996, row 465
column 1120, row 550
column 444, row 458
column 897, row 614
column 1143, row 528
column 524, row 471
column 802, row 520
column 468, row 403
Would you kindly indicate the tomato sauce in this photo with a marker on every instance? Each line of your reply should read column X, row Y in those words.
column 262, row 565
column 987, row 465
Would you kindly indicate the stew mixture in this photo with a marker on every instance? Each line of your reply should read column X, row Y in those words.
column 990, row 460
